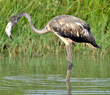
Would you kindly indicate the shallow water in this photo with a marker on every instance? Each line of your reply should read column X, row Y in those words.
column 43, row 75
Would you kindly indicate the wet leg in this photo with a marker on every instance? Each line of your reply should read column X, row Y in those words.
column 68, row 48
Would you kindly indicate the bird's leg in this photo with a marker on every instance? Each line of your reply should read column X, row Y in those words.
column 68, row 48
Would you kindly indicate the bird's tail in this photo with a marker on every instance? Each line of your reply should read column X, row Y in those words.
column 92, row 41
column 92, row 46
column 96, row 46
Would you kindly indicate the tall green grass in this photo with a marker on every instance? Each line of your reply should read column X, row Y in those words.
column 95, row 12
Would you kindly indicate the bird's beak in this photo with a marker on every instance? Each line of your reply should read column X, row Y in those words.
column 8, row 29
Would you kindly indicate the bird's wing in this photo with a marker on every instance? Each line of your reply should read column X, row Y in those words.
column 71, row 27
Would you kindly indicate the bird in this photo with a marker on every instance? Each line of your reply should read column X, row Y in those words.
column 68, row 28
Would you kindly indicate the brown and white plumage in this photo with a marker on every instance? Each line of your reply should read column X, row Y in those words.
column 72, row 28
column 66, row 27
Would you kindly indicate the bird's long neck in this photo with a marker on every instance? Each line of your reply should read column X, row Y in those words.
column 42, row 31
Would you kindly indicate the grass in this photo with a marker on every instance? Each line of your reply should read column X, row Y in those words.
column 95, row 12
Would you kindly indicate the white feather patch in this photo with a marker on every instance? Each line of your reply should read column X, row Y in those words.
column 8, row 29
column 79, row 24
column 71, row 26
column 67, row 25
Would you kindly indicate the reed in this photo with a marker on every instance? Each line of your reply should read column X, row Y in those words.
column 95, row 12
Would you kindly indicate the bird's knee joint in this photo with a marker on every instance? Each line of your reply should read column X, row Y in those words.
column 70, row 64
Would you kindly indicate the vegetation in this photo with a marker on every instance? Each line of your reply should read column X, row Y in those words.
column 95, row 12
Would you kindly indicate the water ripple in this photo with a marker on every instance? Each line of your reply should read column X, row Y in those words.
column 55, row 84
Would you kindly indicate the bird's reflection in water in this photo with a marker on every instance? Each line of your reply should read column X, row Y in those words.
column 68, row 87
column 68, row 82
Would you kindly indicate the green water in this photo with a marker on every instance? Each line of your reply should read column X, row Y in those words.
column 45, row 75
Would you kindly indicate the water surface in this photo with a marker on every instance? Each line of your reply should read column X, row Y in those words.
column 43, row 75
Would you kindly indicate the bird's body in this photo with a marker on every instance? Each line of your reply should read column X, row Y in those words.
column 71, row 28
column 66, row 27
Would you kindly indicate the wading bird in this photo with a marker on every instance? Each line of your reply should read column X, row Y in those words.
column 67, row 28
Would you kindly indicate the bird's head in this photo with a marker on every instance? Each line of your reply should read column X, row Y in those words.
column 12, row 22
